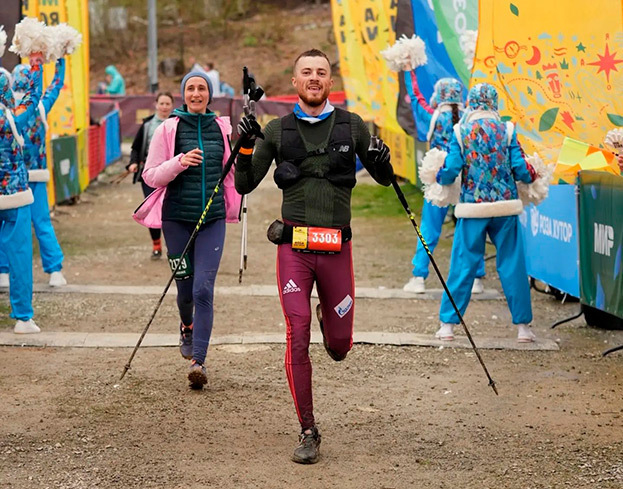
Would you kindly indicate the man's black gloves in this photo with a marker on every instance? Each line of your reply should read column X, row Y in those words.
column 378, row 154
column 249, row 130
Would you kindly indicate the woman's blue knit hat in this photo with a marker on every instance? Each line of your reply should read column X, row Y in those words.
column 200, row 75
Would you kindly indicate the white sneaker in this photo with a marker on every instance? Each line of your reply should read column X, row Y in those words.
column 415, row 285
column 477, row 288
column 525, row 334
column 4, row 280
column 26, row 327
column 445, row 332
column 57, row 279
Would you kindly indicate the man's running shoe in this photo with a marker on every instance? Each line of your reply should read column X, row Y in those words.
column 308, row 450
column 197, row 375
column 186, row 341
column 335, row 356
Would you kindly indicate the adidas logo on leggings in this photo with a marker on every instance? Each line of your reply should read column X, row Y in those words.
column 291, row 287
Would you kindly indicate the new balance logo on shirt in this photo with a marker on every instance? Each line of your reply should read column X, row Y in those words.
column 291, row 287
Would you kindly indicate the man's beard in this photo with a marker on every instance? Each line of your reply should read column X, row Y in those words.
column 315, row 101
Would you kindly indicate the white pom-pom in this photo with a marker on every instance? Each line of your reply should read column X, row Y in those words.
column 443, row 195
column 406, row 54
column 614, row 139
column 64, row 40
column 2, row 40
column 537, row 191
column 468, row 46
column 431, row 163
column 31, row 36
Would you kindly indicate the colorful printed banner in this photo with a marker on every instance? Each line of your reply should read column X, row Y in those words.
column 439, row 64
column 601, row 241
column 557, row 67
column 453, row 19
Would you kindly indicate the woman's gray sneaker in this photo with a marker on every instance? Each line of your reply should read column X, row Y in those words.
column 186, row 341
column 197, row 376
column 308, row 450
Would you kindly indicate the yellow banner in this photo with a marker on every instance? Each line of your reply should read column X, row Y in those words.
column 82, row 144
column 351, row 60
column 363, row 28
column 62, row 116
column 78, row 18
column 557, row 66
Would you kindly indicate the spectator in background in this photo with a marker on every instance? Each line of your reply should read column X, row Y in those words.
column 215, row 78
column 114, row 85
column 140, row 148
column 195, row 66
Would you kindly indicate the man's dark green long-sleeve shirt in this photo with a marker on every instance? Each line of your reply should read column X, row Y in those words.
column 313, row 200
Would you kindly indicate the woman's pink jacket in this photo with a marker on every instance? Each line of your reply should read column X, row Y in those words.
column 162, row 166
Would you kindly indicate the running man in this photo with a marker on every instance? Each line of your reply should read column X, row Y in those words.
column 315, row 149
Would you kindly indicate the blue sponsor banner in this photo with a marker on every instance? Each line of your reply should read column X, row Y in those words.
column 551, row 238
column 113, row 137
column 439, row 64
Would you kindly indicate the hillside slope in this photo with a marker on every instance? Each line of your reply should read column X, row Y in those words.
column 266, row 42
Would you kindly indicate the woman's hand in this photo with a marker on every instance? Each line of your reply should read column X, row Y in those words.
column 192, row 158
column 133, row 168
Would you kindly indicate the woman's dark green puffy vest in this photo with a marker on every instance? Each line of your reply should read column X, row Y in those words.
column 188, row 194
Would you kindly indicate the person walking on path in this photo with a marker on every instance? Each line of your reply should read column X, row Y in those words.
column 315, row 149
column 16, row 196
column 186, row 157
column 486, row 152
column 140, row 149
column 444, row 111
column 35, row 157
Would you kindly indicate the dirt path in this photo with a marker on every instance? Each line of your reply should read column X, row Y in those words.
column 390, row 417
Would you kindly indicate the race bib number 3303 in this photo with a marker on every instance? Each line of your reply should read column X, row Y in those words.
column 320, row 240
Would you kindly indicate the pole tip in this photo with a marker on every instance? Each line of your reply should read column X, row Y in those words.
column 495, row 389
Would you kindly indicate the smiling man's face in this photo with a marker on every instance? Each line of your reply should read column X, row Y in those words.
column 312, row 80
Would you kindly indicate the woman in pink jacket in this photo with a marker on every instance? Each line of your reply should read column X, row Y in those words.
column 186, row 155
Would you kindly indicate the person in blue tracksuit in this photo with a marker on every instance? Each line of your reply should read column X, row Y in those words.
column 444, row 111
column 486, row 152
column 16, row 197
column 35, row 157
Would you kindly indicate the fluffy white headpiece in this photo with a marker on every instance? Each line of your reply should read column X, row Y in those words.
column 406, row 54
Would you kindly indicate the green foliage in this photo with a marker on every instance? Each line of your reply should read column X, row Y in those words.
column 372, row 200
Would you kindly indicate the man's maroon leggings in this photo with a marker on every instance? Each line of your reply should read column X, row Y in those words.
column 335, row 283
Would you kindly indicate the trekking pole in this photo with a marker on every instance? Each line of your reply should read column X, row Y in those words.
column 403, row 201
column 243, row 240
column 217, row 188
